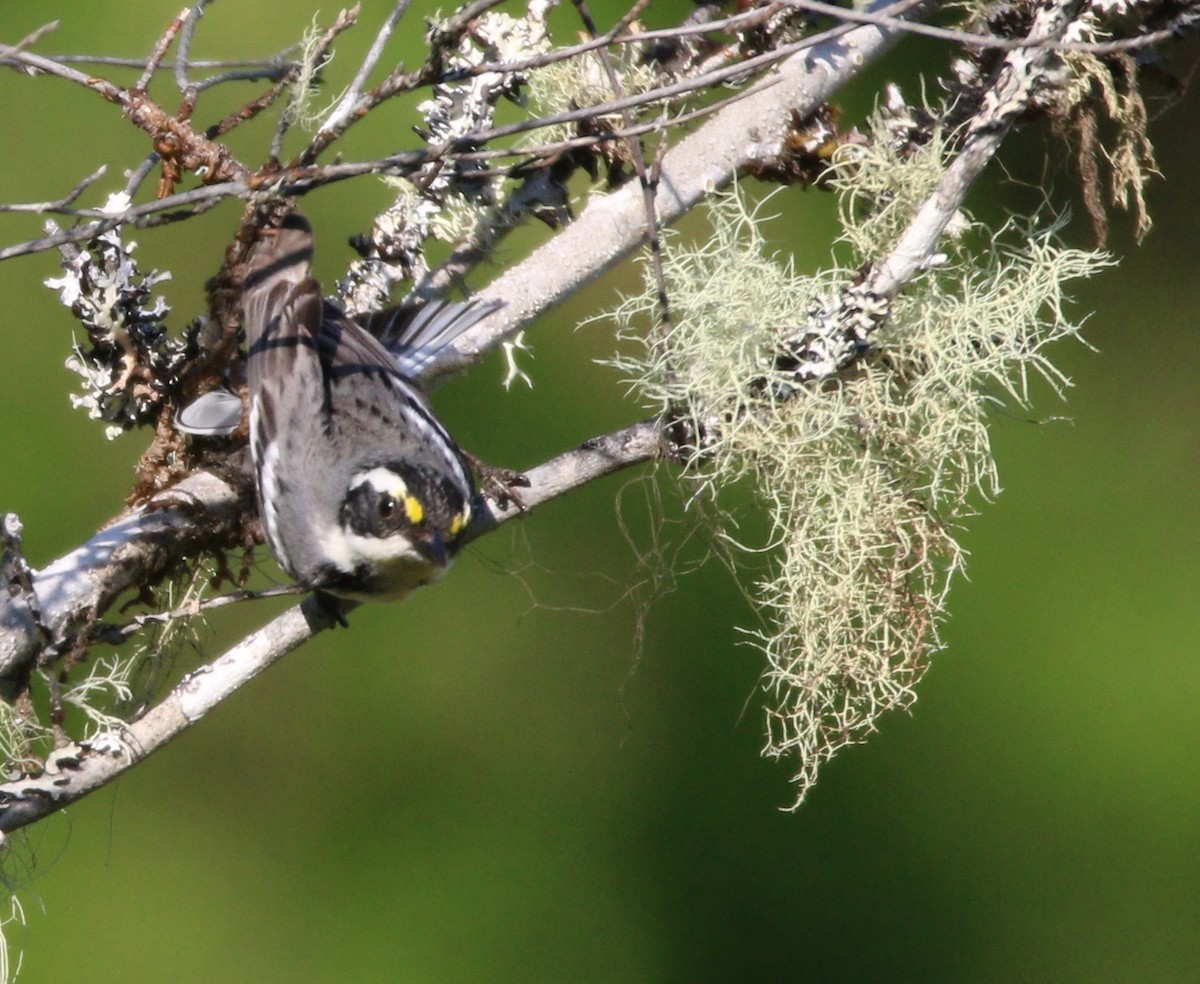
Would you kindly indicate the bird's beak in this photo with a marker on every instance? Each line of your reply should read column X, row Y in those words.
column 433, row 546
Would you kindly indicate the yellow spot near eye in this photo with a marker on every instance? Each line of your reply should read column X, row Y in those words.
column 461, row 521
column 413, row 510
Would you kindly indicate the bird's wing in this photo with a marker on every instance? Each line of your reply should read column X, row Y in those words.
column 415, row 335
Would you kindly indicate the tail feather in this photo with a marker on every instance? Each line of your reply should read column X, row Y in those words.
column 279, row 262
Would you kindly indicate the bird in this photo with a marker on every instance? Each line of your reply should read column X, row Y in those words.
column 363, row 494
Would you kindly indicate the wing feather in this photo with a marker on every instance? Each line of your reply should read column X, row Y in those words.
column 416, row 335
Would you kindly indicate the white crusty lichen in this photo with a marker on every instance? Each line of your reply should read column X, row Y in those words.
column 455, row 202
column 866, row 460
column 126, row 360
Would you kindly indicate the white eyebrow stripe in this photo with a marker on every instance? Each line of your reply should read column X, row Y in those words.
column 382, row 480
column 419, row 417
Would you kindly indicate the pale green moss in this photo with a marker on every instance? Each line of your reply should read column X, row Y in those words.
column 866, row 476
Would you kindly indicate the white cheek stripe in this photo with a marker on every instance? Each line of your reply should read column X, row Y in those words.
column 347, row 551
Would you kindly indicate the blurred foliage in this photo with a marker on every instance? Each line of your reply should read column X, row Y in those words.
column 496, row 782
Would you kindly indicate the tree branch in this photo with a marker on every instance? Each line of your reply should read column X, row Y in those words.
column 608, row 229
column 612, row 226
column 1017, row 80
column 208, row 511
column 79, row 768
column 202, row 511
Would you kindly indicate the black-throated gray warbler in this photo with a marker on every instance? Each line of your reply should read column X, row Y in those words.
column 362, row 492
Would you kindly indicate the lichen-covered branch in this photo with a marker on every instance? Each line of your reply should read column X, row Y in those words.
column 806, row 343
column 1019, row 79
column 79, row 768
column 612, row 226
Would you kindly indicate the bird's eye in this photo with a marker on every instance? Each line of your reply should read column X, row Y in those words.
column 387, row 507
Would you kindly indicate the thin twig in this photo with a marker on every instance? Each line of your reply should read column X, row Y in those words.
column 34, row 36
column 349, row 102
column 115, row 635
column 184, row 49
column 969, row 39
column 275, row 72
column 448, row 34
column 161, row 48
column 14, row 57
column 80, row 768
column 111, row 61
column 135, row 215
column 251, row 109
column 140, row 174
column 61, row 205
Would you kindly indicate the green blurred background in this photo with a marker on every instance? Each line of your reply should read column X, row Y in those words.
column 497, row 782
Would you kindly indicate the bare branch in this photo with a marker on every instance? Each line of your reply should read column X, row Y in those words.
column 82, row 767
column 15, row 57
column 184, row 50
column 61, row 205
column 349, row 103
column 33, row 37
column 160, row 49
column 612, row 226
column 252, row 109
column 593, row 459
column 273, row 70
